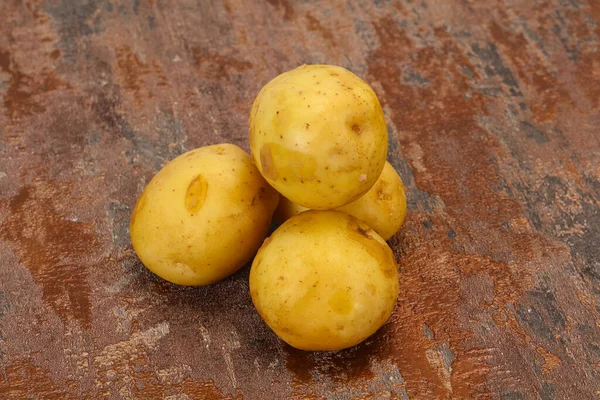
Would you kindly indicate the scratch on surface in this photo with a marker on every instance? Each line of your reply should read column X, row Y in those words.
column 205, row 335
column 257, row 367
column 124, row 317
column 180, row 396
column 119, row 285
column 415, row 153
column 484, row 354
column 441, row 358
column 233, row 343
column 80, row 360
column 428, row 332
column 230, row 370
column 174, row 374
column 125, row 392
column 116, row 352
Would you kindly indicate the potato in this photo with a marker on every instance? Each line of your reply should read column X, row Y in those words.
column 324, row 281
column 286, row 210
column 383, row 207
column 203, row 216
column 318, row 136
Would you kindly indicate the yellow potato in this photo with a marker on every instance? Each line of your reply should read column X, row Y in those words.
column 318, row 135
column 286, row 210
column 383, row 207
column 324, row 281
column 203, row 216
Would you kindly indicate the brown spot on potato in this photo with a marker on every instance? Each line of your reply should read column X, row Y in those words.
column 354, row 226
column 356, row 129
column 266, row 161
column 383, row 191
column 363, row 232
column 220, row 150
column 196, row 194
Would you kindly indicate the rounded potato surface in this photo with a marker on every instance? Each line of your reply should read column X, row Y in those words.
column 383, row 207
column 286, row 210
column 203, row 216
column 318, row 135
column 324, row 281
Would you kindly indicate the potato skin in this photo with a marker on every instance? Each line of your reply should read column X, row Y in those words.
column 318, row 135
column 324, row 281
column 202, row 216
column 383, row 207
column 286, row 210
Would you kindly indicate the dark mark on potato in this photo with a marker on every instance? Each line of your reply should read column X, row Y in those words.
column 196, row 194
column 266, row 161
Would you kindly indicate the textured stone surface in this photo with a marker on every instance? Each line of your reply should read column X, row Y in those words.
column 494, row 113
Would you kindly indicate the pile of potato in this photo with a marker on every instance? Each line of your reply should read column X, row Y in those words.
column 325, row 279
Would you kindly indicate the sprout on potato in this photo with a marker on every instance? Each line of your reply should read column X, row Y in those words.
column 203, row 216
column 318, row 136
column 324, row 281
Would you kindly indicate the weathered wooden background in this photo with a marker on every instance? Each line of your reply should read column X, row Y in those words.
column 494, row 119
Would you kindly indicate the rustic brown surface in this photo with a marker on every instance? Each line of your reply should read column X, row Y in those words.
column 493, row 111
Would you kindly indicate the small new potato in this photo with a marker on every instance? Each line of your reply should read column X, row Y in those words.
column 286, row 209
column 318, row 135
column 324, row 281
column 202, row 216
column 383, row 207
